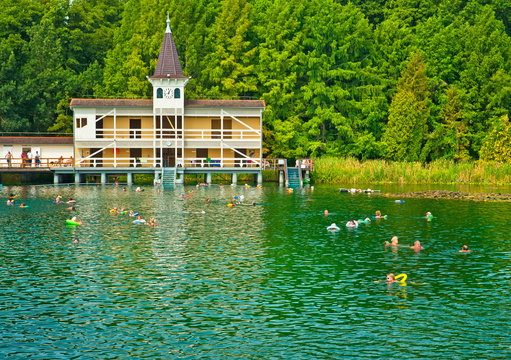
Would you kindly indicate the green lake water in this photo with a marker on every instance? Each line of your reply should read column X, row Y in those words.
column 263, row 282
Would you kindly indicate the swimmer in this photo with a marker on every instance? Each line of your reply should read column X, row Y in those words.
column 71, row 201
column 393, row 242
column 207, row 200
column 325, row 212
column 139, row 218
column 116, row 183
column 72, row 208
column 57, row 199
column 138, row 189
column 132, row 213
column 352, row 224
column 114, row 211
column 152, row 222
column 159, row 191
column 379, row 215
column 74, row 218
column 391, row 278
column 76, row 241
column 417, row 246
column 429, row 216
column 464, row 249
column 23, row 205
column 124, row 188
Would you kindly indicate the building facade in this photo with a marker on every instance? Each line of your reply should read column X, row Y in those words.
column 168, row 131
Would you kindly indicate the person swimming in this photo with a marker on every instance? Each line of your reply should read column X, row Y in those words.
column 393, row 242
column 352, row 224
column 72, row 208
column 325, row 212
column 23, row 205
column 464, row 249
column 71, row 201
column 152, row 222
column 378, row 215
column 429, row 216
column 417, row 246
column 75, row 219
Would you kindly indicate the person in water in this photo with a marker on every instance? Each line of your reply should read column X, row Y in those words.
column 75, row 219
column 379, row 215
column 464, row 249
column 325, row 212
column 391, row 278
column 429, row 216
column 23, row 205
column 152, row 222
column 393, row 242
column 72, row 208
column 139, row 218
column 417, row 246
column 71, row 201
column 352, row 223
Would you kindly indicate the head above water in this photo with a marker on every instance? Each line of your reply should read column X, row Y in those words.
column 394, row 240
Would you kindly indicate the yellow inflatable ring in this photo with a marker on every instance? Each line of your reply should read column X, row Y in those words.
column 403, row 280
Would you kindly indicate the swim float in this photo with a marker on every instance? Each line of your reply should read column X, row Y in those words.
column 399, row 201
column 402, row 278
column 72, row 223
column 333, row 227
column 138, row 222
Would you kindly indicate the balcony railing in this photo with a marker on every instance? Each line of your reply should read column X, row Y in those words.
column 187, row 134
column 180, row 162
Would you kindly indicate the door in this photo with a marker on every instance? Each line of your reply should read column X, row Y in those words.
column 227, row 126
column 135, row 126
column 202, row 154
column 239, row 163
column 215, row 125
column 99, row 129
column 136, row 154
column 96, row 159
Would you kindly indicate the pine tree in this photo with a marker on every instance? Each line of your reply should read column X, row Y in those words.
column 408, row 113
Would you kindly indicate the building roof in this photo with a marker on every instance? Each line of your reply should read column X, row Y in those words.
column 224, row 103
column 36, row 140
column 168, row 65
column 149, row 103
column 111, row 102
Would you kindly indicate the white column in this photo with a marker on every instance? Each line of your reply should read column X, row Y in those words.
column 77, row 177
column 234, row 179
column 259, row 178
column 56, row 178
column 129, row 178
column 103, row 178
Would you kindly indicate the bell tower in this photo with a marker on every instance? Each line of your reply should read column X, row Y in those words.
column 168, row 80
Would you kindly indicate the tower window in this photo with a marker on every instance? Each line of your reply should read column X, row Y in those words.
column 159, row 93
column 177, row 94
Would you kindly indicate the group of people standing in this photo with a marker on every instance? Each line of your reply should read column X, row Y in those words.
column 27, row 158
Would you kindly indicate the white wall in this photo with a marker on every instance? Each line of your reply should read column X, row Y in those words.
column 45, row 151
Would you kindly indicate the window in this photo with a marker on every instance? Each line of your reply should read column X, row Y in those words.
column 177, row 94
column 159, row 93
column 81, row 122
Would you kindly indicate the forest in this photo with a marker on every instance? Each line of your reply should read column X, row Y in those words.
column 401, row 80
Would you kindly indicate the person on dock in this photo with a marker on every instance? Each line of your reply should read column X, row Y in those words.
column 37, row 158
column 29, row 158
column 417, row 246
column 464, row 249
column 8, row 157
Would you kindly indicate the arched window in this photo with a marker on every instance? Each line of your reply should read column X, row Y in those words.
column 159, row 93
column 177, row 93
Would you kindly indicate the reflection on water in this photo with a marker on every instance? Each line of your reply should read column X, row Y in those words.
column 251, row 282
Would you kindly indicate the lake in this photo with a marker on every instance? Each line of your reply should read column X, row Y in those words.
column 251, row 282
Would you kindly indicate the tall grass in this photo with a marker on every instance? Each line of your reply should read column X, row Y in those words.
column 332, row 170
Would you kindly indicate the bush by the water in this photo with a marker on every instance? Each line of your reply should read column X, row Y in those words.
column 332, row 170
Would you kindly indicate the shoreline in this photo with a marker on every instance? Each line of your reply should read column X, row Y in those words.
column 449, row 195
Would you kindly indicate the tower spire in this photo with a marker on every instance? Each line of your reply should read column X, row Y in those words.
column 168, row 25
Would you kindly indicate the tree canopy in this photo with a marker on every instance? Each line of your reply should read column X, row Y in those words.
column 403, row 80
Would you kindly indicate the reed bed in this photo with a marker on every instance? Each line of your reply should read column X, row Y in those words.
column 331, row 170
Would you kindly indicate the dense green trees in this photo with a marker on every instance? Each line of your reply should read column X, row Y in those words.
column 401, row 79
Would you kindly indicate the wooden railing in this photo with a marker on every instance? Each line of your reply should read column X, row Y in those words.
column 25, row 163
column 188, row 134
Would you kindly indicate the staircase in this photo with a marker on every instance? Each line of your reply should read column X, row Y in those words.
column 168, row 176
column 293, row 177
